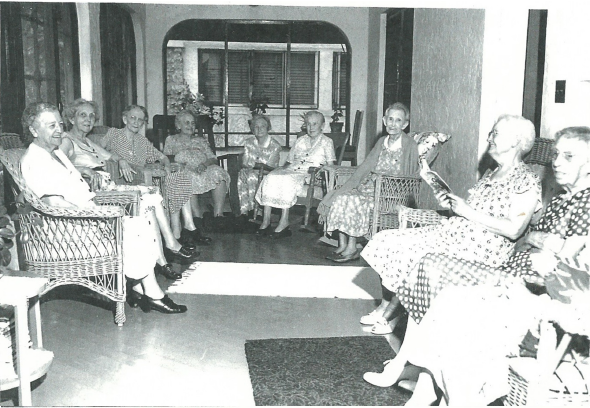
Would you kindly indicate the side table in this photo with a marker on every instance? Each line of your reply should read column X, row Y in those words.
column 31, row 364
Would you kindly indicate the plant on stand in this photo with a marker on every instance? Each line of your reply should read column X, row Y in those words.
column 183, row 99
column 336, row 126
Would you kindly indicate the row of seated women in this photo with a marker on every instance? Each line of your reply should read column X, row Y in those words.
column 462, row 282
column 64, row 168
column 346, row 210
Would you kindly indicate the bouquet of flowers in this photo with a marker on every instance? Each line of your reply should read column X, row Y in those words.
column 182, row 98
column 429, row 145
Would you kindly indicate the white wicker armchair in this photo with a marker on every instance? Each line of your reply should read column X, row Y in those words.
column 75, row 246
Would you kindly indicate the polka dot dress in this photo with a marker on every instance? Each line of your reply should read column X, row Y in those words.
column 394, row 254
column 564, row 216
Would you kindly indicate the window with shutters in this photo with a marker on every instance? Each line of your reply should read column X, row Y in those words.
column 339, row 80
column 259, row 75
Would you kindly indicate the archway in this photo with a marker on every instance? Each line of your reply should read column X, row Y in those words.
column 283, row 67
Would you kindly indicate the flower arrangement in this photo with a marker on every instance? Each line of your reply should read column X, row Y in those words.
column 337, row 115
column 182, row 98
column 258, row 106
column 429, row 144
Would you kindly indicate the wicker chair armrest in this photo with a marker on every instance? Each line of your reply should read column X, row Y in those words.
column 417, row 216
column 117, row 197
column 89, row 212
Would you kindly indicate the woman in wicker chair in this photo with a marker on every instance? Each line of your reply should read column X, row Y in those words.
column 259, row 149
column 464, row 335
column 281, row 187
column 51, row 176
column 137, row 150
column 498, row 210
column 348, row 209
column 194, row 152
column 90, row 158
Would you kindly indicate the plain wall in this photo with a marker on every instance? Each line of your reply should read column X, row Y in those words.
column 566, row 58
column 354, row 23
column 446, row 90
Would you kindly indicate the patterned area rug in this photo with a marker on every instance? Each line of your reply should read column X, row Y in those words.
column 320, row 371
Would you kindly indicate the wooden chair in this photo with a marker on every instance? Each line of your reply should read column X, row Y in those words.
column 75, row 246
column 317, row 187
column 350, row 149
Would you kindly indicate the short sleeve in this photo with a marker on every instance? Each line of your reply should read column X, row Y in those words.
column 329, row 153
column 170, row 148
column 525, row 180
column 152, row 154
column 107, row 140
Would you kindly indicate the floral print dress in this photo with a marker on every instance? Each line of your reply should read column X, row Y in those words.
column 194, row 152
column 351, row 211
column 394, row 254
column 248, row 177
column 281, row 187
column 564, row 216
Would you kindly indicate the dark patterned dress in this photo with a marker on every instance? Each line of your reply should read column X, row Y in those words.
column 138, row 151
column 351, row 211
column 394, row 254
column 194, row 152
column 248, row 177
column 565, row 216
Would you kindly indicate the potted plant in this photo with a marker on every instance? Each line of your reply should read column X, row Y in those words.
column 336, row 125
column 258, row 106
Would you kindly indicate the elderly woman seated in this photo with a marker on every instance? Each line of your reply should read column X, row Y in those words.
column 348, row 209
column 260, row 149
column 195, row 153
column 90, row 158
column 496, row 213
column 128, row 143
column 50, row 175
column 462, row 339
column 281, row 187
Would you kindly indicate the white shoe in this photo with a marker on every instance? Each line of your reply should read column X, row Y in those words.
column 383, row 379
column 371, row 318
column 407, row 385
column 381, row 326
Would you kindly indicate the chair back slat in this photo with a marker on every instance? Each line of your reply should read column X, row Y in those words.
column 340, row 140
column 358, row 124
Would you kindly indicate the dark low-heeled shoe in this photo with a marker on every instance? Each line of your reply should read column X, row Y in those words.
column 282, row 234
column 263, row 231
column 167, row 272
column 195, row 236
column 133, row 298
column 182, row 256
column 164, row 305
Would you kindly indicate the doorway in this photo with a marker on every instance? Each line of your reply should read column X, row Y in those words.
column 399, row 46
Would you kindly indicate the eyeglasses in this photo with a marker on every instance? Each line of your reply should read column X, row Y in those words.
column 85, row 115
column 140, row 121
